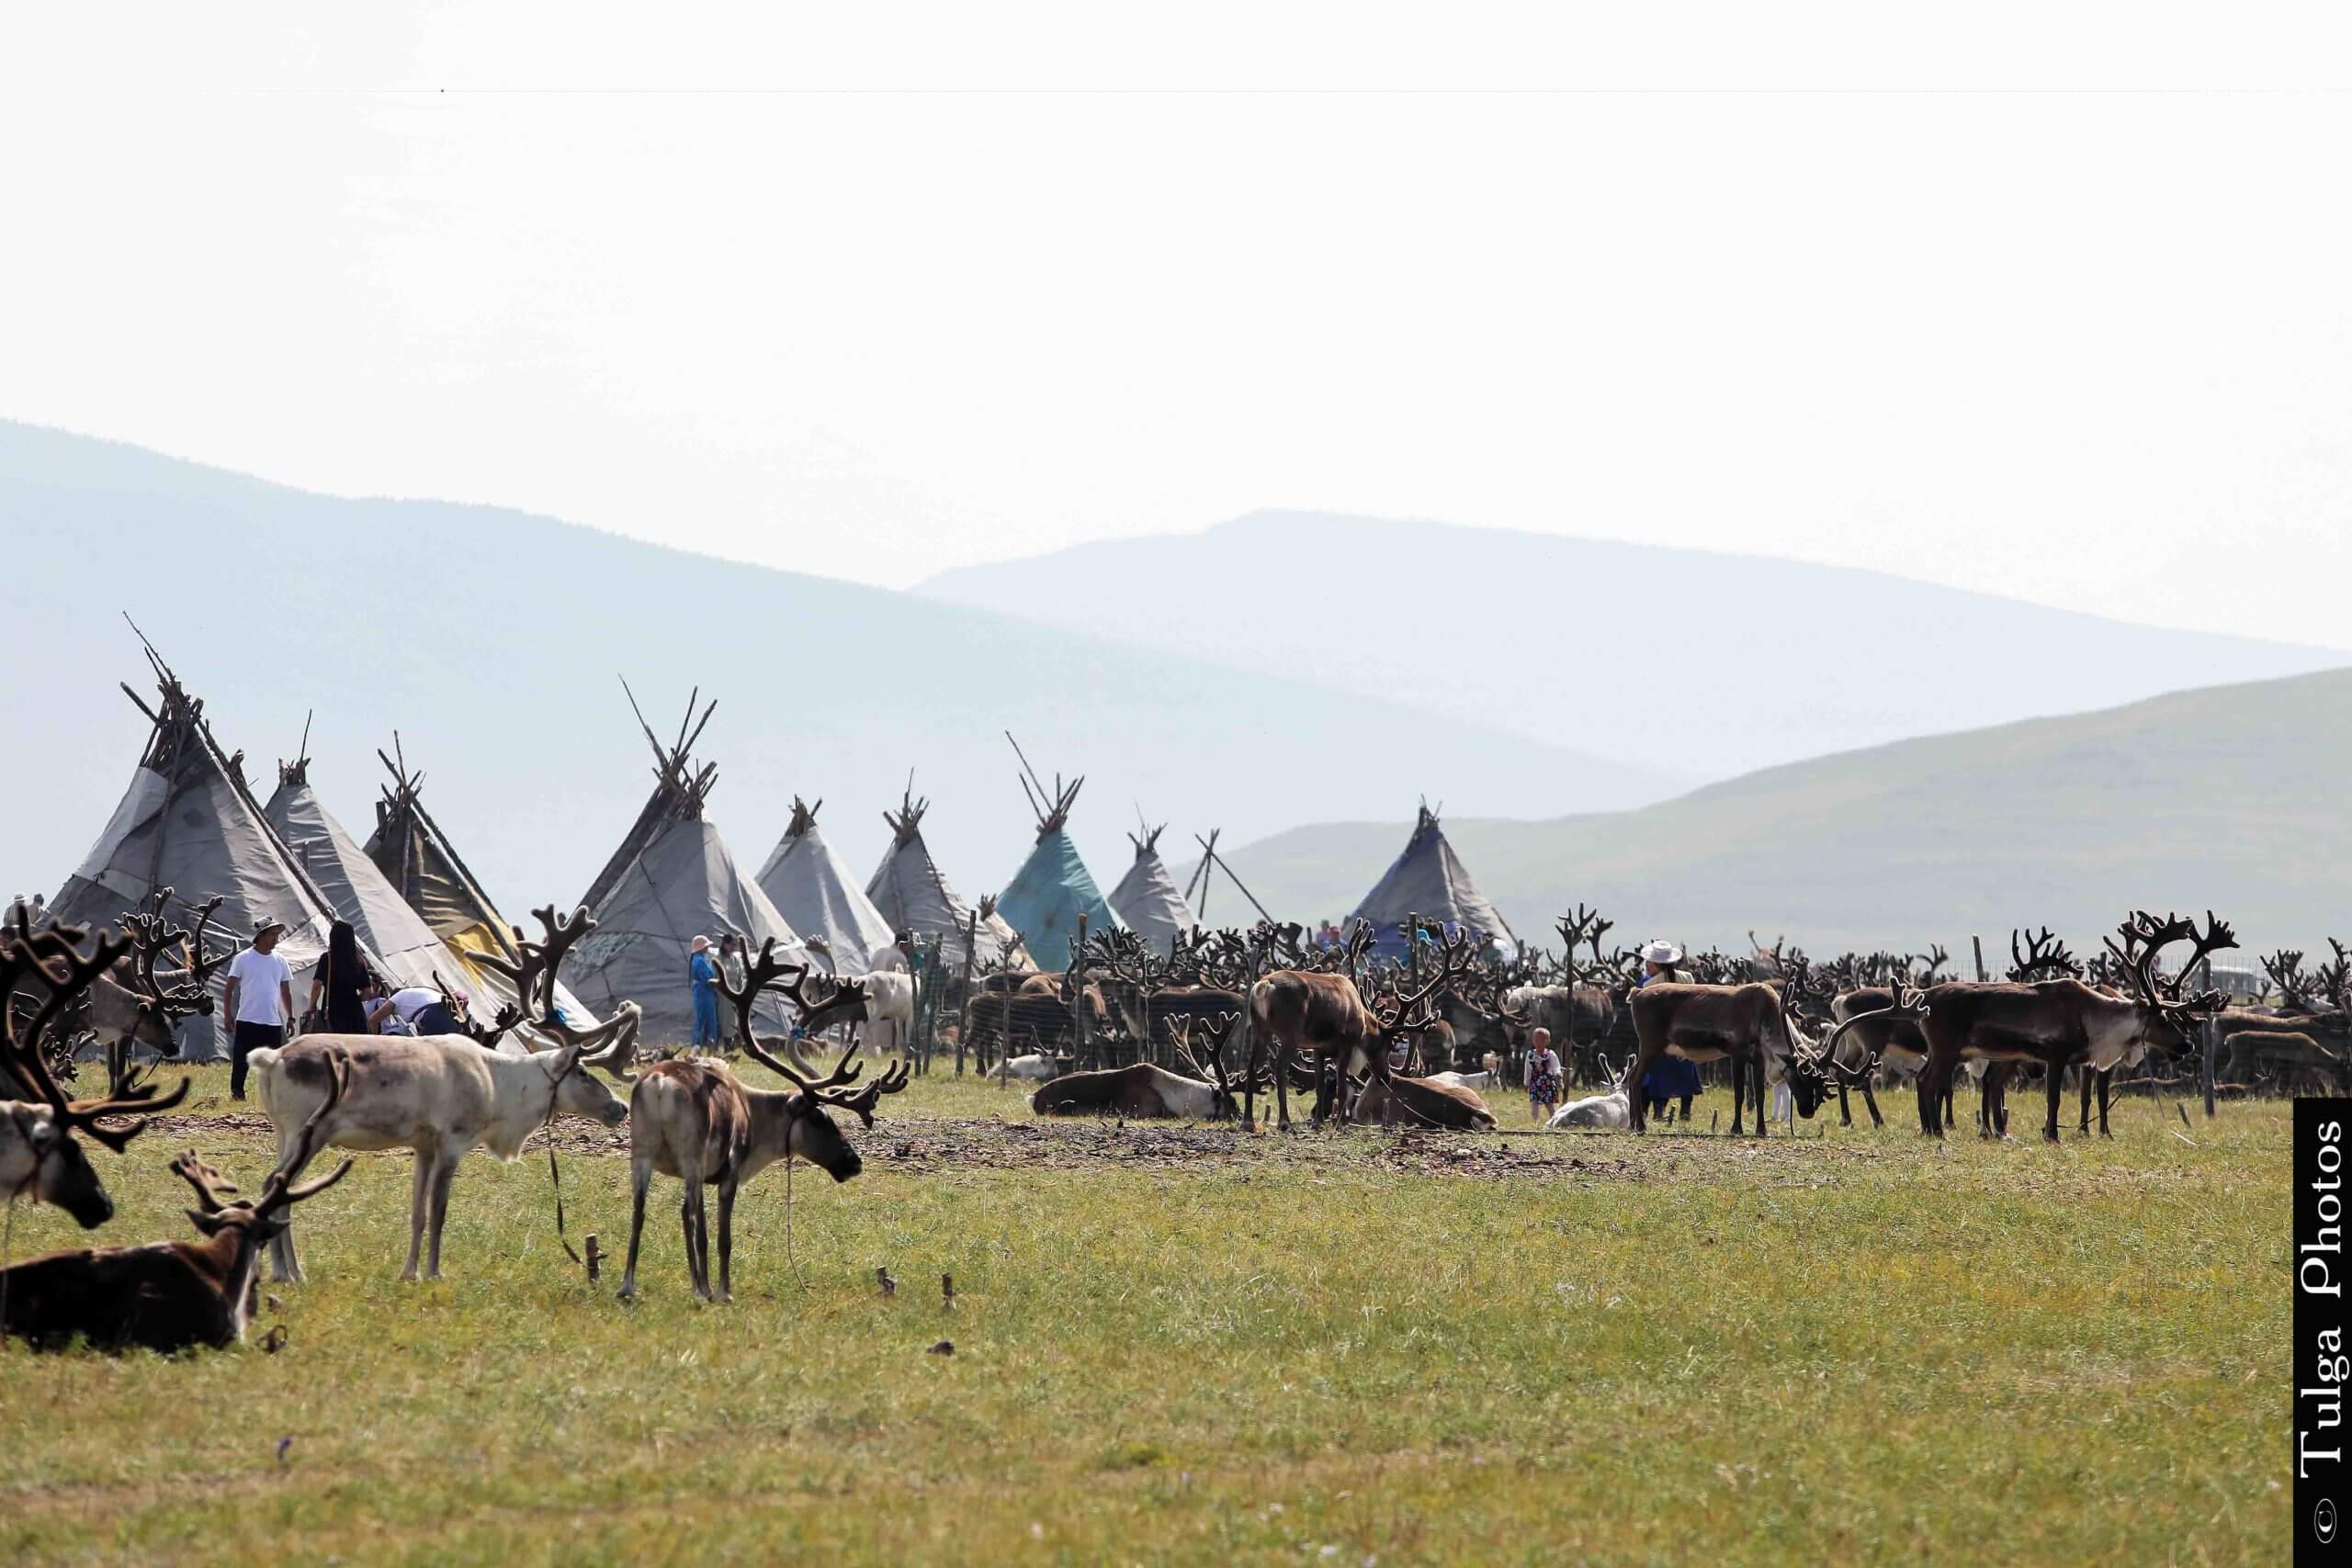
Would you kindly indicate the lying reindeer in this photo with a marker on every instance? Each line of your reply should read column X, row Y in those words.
column 38, row 1153
column 689, row 1118
column 1400, row 1101
column 172, row 1294
column 1144, row 1091
column 1612, row 1109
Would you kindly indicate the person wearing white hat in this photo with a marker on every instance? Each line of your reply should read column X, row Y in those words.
column 702, row 971
column 259, row 1000
column 1670, row 1077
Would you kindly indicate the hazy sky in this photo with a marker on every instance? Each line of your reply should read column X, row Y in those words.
column 2040, row 298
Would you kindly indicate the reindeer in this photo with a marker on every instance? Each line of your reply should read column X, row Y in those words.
column 1612, row 1109
column 142, row 1012
column 39, row 1152
column 1144, row 1091
column 1325, row 1015
column 439, row 1096
column 693, row 1120
column 1398, row 1101
column 1747, row 1022
column 2064, row 1023
column 172, row 1294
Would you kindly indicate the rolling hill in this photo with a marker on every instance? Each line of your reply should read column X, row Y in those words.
column 2230, row 797
column 1699, row 664
column 491, row 640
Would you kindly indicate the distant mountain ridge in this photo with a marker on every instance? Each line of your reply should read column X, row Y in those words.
column 491, row 639
column 2228, row 798
column 1696, row 664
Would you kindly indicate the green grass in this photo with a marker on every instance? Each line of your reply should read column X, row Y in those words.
column 1859, row 1348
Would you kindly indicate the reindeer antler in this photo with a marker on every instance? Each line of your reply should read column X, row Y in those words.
column 56, row 954
column 2041, row 952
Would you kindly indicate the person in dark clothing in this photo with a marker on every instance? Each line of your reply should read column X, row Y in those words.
column 342, row 980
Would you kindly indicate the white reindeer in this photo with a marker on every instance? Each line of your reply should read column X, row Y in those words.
column 438, row 1095
column 1614, row 1108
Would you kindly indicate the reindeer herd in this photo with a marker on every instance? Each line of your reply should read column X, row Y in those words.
column 1385, row 1042
column 1405, row 1044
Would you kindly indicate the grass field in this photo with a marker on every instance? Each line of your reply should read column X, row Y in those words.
column 1209, row 1347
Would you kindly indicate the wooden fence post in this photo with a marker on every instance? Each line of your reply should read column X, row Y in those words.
column 2212, row 1033
column 1076, row 981
column 1977, row 943
column 964, row 1018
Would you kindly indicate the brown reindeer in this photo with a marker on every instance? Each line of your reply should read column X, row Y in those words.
column 38, row 1153
column 1748, row 1023
column 691, row 1119
column 1323, row 1016
column 1398, row 1101
column 173, row 1294
column 2064, row 1023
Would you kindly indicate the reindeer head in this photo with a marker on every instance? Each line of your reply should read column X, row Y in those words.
column 266, row 1218
column 1206, row 1055
column 1815, row 1070
column 56, row 1171
column 814, row 1135
column 2166, row 1015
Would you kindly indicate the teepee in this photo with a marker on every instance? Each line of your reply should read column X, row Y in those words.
column 189, row 823
column 1429, row 880
column 1147, row 897
column 672, row 879
column 417, row 861
column 406, row 950
column 811, row 887
column 913, row 895
column 1052, row 887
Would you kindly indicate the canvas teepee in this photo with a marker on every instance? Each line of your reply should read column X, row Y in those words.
column 189, row 823
column 913, row 895
column 813, row 889
column 1147, row 897
column 407, row 952
column 1052, row 887
column 419, row 862
column 1429, row 880
column 672, row 879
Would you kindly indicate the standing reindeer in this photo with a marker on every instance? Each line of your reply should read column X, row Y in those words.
column 1324, row 1015
column 440, row 1094
column 1750, row 1023
column 2064, row 1023
column 691, row 1119
column 38, row 1153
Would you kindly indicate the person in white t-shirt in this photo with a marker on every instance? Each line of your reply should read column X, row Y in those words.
column 421, row 1008
column 260, row 999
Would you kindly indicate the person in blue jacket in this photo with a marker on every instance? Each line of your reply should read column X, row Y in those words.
column 702, row 971
column 1670, row 1077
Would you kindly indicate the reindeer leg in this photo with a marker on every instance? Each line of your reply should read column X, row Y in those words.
column 1870, row 1101
column 2106, row 1087
column 445, row 1176
column 641, row 1177
column 2054, row 1082
column 1929, row 1086
column 1845, row 1111
column 285, row 1262
column 696, row 1221
column 727, row 1237
column 420, row 1199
